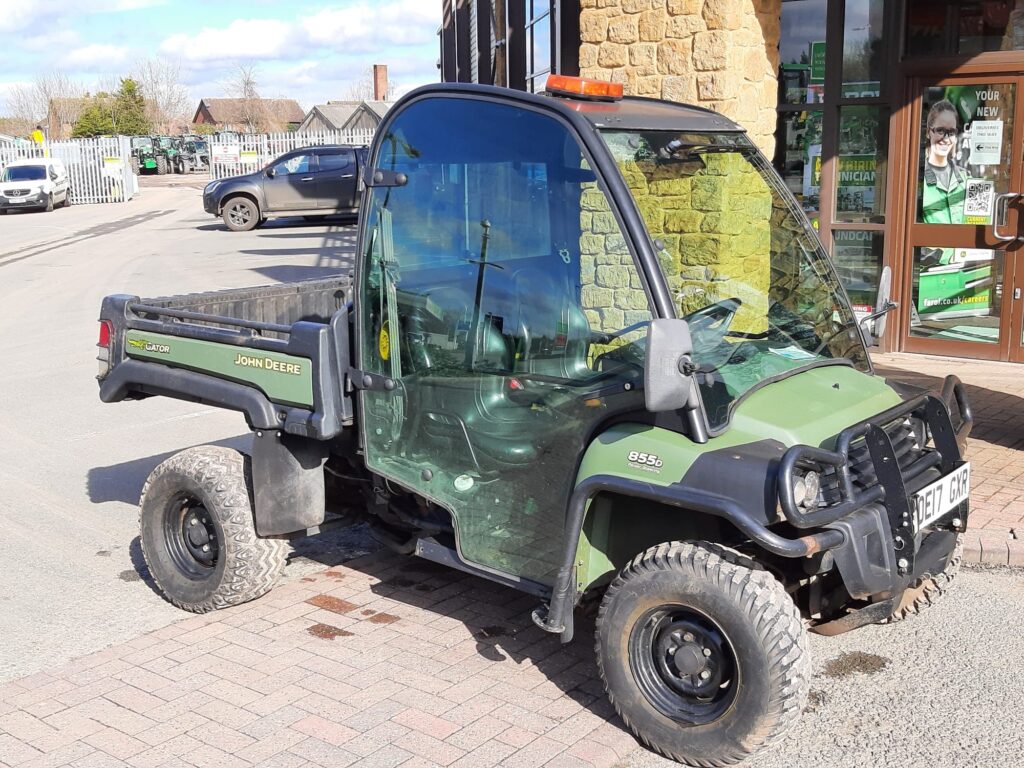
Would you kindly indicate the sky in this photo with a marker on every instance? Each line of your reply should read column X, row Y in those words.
column 310, row 51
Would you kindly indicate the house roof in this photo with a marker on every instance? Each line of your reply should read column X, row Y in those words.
column 337, row 114
column 234, row 110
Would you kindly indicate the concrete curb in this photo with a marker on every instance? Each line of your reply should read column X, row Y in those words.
column 987, row 547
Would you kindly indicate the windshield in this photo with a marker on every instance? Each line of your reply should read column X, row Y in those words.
column 760, row 295
column 165, row 143
column 24, row 173
column 143, row 141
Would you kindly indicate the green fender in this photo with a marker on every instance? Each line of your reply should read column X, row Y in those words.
column 810, row 408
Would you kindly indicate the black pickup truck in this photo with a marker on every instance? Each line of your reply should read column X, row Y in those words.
column 311, row 182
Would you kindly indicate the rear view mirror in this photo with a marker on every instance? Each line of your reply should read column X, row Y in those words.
column 667, row 380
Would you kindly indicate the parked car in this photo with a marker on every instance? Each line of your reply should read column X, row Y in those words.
column 39, row 183
column 310, row 182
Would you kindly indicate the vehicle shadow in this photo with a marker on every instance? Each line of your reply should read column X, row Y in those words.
column 998, row 415
column 496, row 623
column 287, row 223
column 123, row 482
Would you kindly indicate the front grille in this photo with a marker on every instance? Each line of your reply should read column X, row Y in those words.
column 16, row 192
column 906, row 445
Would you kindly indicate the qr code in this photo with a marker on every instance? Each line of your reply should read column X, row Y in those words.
column 978, row 200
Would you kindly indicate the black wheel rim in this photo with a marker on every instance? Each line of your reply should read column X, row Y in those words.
column 684, row 664
column 239, row 214
column 191, row 536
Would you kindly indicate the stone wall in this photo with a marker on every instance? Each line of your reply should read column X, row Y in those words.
column 720, row 54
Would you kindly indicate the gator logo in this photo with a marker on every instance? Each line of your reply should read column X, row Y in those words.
column 148, row 346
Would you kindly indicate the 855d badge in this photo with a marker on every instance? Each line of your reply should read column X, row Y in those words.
column 648, row 462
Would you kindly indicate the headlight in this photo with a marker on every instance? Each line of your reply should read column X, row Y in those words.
column 208, row 189
column 806, row 489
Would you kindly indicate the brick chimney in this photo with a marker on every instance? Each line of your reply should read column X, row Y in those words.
column 380, row 82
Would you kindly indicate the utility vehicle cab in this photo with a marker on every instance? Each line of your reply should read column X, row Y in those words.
column 592, row 350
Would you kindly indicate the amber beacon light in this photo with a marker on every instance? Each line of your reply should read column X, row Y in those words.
column 582, row 87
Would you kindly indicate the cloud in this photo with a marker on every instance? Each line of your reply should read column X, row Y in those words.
column 360, row 28
column 95, row 57
column 242, row 39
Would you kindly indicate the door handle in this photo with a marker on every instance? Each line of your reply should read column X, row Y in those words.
column 307, row 178
column 347, row 175
column 1002, row 205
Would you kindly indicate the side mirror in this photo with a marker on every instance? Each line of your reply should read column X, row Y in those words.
column 667, row 370
column 271, row 173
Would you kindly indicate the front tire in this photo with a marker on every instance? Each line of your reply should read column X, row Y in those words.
column 240, row 214
column 928, row 588
column 161, row 165
column 198, row 532
column 703, row 654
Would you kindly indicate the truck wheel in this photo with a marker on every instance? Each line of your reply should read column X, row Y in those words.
column 702, row 653
column 240, row 214
column 135, row 165
column 926, row 590
column 49, row 204
column 198, row 533
column 161, row 165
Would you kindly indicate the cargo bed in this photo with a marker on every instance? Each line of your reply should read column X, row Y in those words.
column 290, row 374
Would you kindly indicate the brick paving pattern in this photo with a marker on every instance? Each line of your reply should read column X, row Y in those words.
column 384, row 661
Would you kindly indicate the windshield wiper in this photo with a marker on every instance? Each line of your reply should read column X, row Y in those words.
column 677, row 147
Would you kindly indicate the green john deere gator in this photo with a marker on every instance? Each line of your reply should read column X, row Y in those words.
column 591, row 350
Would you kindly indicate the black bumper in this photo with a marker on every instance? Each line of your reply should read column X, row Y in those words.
column 882, row 553
column 210, row 204
column 27, row 203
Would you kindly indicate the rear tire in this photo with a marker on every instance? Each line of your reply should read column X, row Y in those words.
column 240, row 214
column 703, row 654
column 926, row 590
column 200, row 498
column 135, row 165
column 161, row 165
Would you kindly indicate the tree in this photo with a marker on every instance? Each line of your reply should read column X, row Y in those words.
column 242, row 85
column 130, row 110
column 168, row 99
column 52, row 98
column 362, row 89
column 108, row 114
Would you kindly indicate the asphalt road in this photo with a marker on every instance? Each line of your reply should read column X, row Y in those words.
column 71, row 468
column 945, row 690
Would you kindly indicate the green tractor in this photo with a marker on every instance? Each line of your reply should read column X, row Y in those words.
column 592, row 350
column 197, row 150
column 171, row 150
column 144, row 156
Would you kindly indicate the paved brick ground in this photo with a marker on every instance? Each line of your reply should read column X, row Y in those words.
column 391, row 661
column 386, row 661
column 995, row 448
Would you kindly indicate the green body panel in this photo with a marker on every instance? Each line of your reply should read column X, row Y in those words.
column 282, row 378
column 806, row 409
column 148, row 162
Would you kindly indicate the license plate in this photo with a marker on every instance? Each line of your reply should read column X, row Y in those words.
column 941, row 497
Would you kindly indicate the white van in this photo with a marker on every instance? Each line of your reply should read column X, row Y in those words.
column 39, row 183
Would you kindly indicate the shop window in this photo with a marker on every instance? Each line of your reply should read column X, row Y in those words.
column 857, row 255
column 863, row 57
column 968, row 152
column 947, row 27
column 860, row 187
column 802, row 52
column 957, row 294
column 800, row 153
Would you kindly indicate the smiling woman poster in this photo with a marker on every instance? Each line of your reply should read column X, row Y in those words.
column 945, row 183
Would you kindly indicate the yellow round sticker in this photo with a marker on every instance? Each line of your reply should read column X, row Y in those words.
column 384, row 342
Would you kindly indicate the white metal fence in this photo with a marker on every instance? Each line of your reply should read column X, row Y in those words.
column 99, row 168
column 245, row 153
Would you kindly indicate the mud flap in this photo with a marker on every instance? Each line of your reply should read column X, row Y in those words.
column 288, row 482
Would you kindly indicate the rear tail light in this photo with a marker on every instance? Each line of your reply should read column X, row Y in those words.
column 103, row 347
